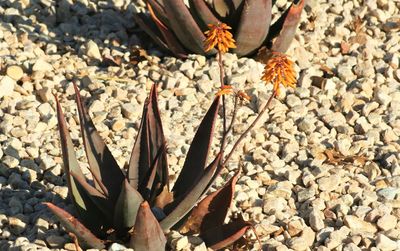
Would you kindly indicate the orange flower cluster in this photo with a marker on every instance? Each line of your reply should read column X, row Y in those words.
column 279, row 70
column 219, row 35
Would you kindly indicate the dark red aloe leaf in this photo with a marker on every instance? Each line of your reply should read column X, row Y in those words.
column 104, row 168
column 212, row 210
column 196, row 158
column 184, row 26
column 147, row 234
column 97, row 198
column 149, row 141
column 127, row 207
column 225, row 235
column 253, row 26
column 86, row 238
column 203, row 13
column 80, row 197
column 173, row 44
column 159, row 11
column 151, row 185
column 185, row 203
column 146, row 24
column 285, row 27
column 222, row 7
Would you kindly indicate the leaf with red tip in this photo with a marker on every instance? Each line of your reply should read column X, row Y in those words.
column 86, row 238
column 104, row 168
column 186, row 202
column 225, row 235
column 197, row 155
column 149, row 141
column 184, row 26
column 80, row 197
column 212, row 210
column 253, row 26
column 285, row 27
column 173, row 44
column 147, row 234
column 146, row 24
column 127, row 207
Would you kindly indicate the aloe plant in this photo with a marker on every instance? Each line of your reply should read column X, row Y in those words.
column 136, row 206
column 180, row 29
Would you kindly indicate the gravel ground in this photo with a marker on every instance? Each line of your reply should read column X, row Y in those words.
column 321, row 172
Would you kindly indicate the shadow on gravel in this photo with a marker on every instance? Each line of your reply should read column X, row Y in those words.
column 64, row 26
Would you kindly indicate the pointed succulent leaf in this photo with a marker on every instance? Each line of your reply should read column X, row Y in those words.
column 184, row 204
column 212, row 210
column 196, row 158
column 158, row 11
column 184, row 26
column 151, row 185
column 99, row 204
column 171, row 41
column 86, row 238
column 147, row 234
column 127, row 207
column 80, row 197
column 203, row 13
column 104, row 168
column 285, row 27
column 225, row 235
column 253, row 26
column 149, row 140
column 145, row 24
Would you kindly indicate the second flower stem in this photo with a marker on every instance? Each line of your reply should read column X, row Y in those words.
column 244, row 134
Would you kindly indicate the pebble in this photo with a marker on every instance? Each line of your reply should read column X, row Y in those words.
column 386, row 244
column 92, row 50
column 15, row 72
column 387, row 222
column 42, row 66
column 7, row 85
column 357, row 224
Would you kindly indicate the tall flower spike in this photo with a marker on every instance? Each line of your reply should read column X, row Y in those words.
column 219, row 35
column 279, row 70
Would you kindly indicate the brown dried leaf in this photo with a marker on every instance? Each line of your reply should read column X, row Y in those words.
column 335, row 158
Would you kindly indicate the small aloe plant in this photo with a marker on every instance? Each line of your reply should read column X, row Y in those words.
column 136, row 206
column 179, row 28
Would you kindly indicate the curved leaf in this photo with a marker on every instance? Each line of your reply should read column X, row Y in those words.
column 85, row 237
column 184, row 204
column 104, row 168
column 212, row 210
column 80, row 197
column 172, row 43
column 253, row 26
column 225, row 235
column 145, row 24
column 147, row 234
column 184, row 26
column 285, row 27
column 197, row 155
column 127, row 207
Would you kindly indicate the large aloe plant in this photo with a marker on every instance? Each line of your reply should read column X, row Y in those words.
column 136, row 206
column 180, row 28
